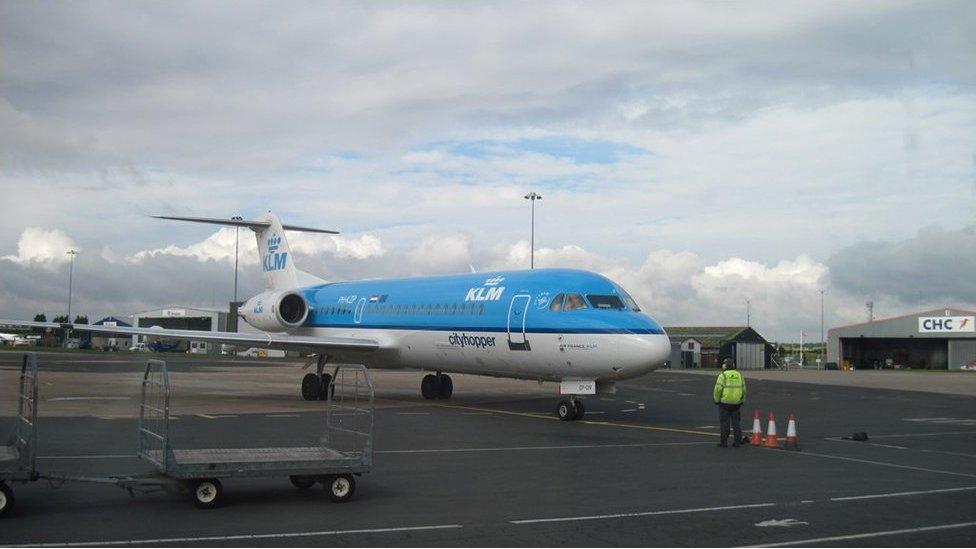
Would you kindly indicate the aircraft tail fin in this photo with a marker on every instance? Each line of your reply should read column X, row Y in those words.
column 277, row 262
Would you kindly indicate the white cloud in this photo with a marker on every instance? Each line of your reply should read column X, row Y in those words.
column 46, row 247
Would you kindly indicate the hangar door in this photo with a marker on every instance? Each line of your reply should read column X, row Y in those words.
column 961, row 353
column 750, row 356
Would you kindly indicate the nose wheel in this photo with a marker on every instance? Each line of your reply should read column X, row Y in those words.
column 439, row 386
column 570, row 410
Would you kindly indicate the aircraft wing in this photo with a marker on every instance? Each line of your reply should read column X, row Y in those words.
column 258, row 339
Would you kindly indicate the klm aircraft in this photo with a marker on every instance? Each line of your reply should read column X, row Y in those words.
column 569, row 326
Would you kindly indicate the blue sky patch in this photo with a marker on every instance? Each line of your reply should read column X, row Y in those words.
column 580, row 151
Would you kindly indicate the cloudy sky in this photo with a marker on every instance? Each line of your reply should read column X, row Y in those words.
column 699, row 154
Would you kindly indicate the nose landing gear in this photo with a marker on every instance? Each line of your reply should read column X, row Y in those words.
column 439, row 386
column 570, row 410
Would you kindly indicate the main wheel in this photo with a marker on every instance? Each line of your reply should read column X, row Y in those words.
column 6, row 499
column 446, row 387
column 206, row 493
column 340, row 487
column 566, row 411
column 302, row 482
column 580, row 410
column 326, row 383
column 428, row 386
column 311, row 387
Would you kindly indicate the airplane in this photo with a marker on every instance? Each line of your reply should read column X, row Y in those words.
column 570, row 326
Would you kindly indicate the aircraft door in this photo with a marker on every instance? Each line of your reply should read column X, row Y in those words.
column 359, row 310
column 517, row 311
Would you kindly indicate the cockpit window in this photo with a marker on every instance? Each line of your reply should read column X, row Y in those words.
column 557, row 303
column 573, row 302
column 605, row 301
column 629, row 301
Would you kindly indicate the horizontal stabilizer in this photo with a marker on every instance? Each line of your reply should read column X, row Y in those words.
column 250, row 224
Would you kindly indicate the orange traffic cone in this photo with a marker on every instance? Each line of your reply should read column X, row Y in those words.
column 756, row 439
column 771, row 440
column 791, row 443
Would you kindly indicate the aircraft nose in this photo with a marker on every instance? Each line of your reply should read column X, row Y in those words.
column 648, row 353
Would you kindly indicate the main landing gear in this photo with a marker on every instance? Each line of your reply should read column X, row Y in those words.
column 569, row 410
column 315, row 386
column 437, row 386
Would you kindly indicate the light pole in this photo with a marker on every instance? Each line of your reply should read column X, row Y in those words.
column 823, row 342
column 801, row 348
column 748, row 313
column 237, row 243
column 533, row 197
column 71, row 272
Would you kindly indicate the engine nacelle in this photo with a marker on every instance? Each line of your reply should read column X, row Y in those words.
column 275, row 311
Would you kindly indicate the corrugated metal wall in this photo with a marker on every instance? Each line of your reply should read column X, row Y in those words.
column 961, row 352
column 750, row 356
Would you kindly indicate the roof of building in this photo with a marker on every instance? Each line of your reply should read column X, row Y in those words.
column 708, row 336
column 940, row 311
column 115, row 319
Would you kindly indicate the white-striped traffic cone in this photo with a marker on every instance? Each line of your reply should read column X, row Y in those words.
column 756, row 439
column 791, row 443
column 771, row 440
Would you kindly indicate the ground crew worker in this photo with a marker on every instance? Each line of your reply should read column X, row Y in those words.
column 729, row 394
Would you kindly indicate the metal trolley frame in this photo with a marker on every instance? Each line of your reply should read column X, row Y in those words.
column 18, row 459
column 344, row 452
column 345, row 449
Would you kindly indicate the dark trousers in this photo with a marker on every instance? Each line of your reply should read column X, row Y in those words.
column 727, row 413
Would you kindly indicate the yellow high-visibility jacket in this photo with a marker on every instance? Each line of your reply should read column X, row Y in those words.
column 730, row 388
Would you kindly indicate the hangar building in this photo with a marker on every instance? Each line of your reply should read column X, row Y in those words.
column 184, row 318
column 702, row 346
column 118, row 342
column 936, row 339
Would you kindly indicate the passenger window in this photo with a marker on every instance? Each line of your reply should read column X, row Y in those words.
column 573, row 302
column 557, row 303
column 481, row 309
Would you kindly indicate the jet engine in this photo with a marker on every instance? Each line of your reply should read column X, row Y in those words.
column 277, row 311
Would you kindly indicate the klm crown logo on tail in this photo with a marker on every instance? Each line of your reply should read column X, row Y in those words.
column 273, row 260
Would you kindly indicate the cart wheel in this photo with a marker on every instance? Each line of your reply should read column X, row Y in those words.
column 566, row 411
column 311, row 387
column 340, row 487
column 302, row 482
column 206, row 493
column 6, row 499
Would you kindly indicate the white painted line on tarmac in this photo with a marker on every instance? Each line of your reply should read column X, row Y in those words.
column 170, row 541
column 216, row 416
column 870, row 535
column 926, row 450
column 90, row 456
column 644, row 513
column 902, row 494
column 972, row 432
column 629, row 410
column 475, row 413
column 537, row 448
column 60, row 399
column 276, row 416
column 883, row 463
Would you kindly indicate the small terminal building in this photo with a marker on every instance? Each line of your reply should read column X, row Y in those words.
column 183, row 318
column 111, row 341
column 937, row 339
column 705, row 346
